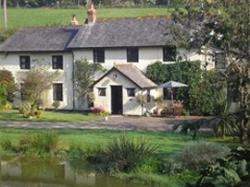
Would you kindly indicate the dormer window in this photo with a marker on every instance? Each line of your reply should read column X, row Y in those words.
column 24, row 62
column 169, row 53
column 57, row 62
column 99, row 55
column 132, row 54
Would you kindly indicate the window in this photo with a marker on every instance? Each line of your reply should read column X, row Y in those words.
column 101, row 91
column 131, row 92
column 57, row 62
column 220, row 61
column 132, row 54
column 58, row 92
column 166, row 94
column 98, row 55
column 169, row 54
column 24, row 62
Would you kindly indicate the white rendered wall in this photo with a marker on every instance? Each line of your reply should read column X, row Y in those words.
column 147, row 56
column 11, row 62
column 130, row 104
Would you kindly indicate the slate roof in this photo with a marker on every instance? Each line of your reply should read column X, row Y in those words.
column 39, row 40
column 132, row 73
column 126, row 32
column 123, row 32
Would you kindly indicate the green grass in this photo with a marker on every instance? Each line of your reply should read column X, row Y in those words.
column 30, row 17
column 53, row 116
column 168, row 142
column 163, row 180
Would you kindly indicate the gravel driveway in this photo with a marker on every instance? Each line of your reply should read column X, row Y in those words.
column 113, row 122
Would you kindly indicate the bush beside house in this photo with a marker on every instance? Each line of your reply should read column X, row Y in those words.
column 200, row 97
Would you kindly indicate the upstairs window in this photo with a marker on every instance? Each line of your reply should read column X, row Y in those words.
column 58, row 92
column 131, row 92
column 132, row 54
column 24, row 62
column 169, row 54
column 99, row 55
column 101, row 91
column 57, row 62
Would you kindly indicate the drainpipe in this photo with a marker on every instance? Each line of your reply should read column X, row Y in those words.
column 73, row 79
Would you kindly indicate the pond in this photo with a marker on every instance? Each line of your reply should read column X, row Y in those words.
column 30, row 172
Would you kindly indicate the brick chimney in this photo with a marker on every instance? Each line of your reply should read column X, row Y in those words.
column 91, row 13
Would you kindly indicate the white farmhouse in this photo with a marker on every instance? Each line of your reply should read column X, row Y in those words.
column 125, row 47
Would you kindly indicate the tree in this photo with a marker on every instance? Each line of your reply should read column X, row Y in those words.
column 3, row 95
column 36, row 82
column 8, row 81
column 84, row 76
column 223, row 24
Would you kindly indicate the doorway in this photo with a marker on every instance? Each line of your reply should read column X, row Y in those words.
column 116, row 100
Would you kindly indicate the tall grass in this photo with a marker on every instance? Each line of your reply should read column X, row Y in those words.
column 36, row 144
column 122, row 154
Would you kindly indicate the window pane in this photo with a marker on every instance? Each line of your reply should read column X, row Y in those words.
column 99, row 55
column 131, row 92
column 58, row 92
column 24, row 62
column 166, row 94
column 102, row 91
column 57, row 62
column 169, row 54
column 132, row 54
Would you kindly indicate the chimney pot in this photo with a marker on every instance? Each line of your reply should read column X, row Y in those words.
column 91, row 12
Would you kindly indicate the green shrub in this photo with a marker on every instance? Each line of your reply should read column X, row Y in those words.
column 40, row 144
column 233, row 170
column 56, row 104
column 46, row 142
column 123, row 154
column 7, row 79
column 200, row 97
column 170, row 167
column 28, row 110
column 76, row 153
column 7, row 146
column 200, row 154
column 149, row 165
column 5, row 105
column 25, row 109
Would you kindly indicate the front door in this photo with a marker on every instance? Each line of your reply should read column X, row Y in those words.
column 116, row 100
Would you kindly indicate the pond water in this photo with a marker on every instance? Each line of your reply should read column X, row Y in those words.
column 27, row 172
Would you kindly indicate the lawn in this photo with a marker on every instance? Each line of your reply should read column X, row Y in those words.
column 27, row 17
column 168, row 142
column 13, row 115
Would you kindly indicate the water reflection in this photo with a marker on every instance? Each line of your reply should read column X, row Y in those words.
column 27, row 172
